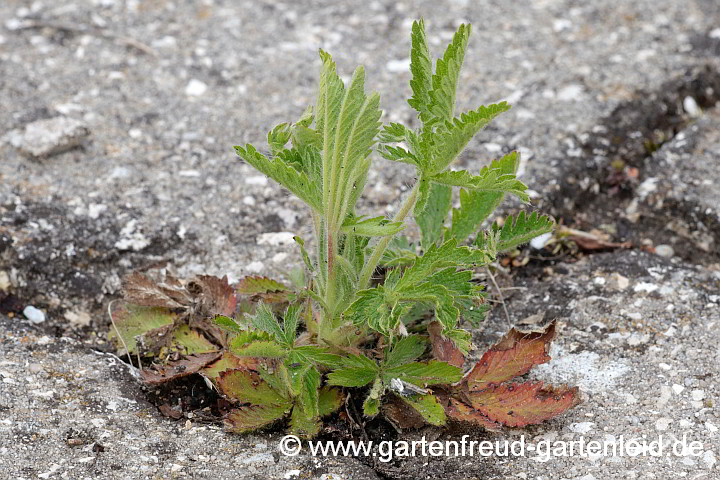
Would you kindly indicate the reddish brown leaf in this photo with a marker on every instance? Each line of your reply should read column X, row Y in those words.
column 459, row 411
column 214, row 295
column 514, row 355
column 443, row 348
column 520, row 404
column 228, row 361
column 169, row 411
column 178, row 368
column 141, row 290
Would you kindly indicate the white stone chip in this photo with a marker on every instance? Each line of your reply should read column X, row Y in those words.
column 33, row 314
column 195, row 88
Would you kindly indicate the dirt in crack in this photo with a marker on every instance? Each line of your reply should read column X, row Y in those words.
column 618, row 155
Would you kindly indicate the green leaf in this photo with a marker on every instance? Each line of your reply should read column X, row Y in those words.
column 359, row 371
column 488, row 180
column 264, row 320
column 245, row 386
column 406, row 350
column 287, row 176
column 351, row 377
column 475, row 206
column 371, row 405
column 254, row 285
column 371, row 227
column 134, row 320
column 278, row 137
column 516, row 231
column 191, row 341
column 329, row 400
column 421, row 69
column 431, row 220
column 308, row 392
column 452, row 136
column 447, row 71
column 392, row 133
column 252, row 417
column 398, row 154
column 290, row 323
column 435, row 258
column 306, row 257
column 428, row 407
column 304, row 425
column 259, row 349
column 423, row 374
column 348, row 121
column 319, row 355
column 227, row 324
column 398, row 253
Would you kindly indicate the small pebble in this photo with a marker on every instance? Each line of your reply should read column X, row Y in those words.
column 195, row 88
column 663, row 423
column 398, row 66
column 665, row 251
column 255, row 267
column 691, row 107
column 34, row 315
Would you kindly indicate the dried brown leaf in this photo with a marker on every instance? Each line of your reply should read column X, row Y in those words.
column 179, row 368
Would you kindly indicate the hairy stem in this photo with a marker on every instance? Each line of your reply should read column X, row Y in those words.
column 379, row 249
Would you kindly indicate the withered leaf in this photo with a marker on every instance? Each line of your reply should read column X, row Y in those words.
column 179, row 368
column 167, row 410
column 514, row 355
column 443, row 348
column 141, row 290
column 521, row 404
column 251, row 417
column 464, row 413
column 213, row 295
column 228, row 361
column 401, row 414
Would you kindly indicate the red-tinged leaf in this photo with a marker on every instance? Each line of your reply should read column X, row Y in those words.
column 520, row 404
column 252, row 417
column 246, row 386
column 514, row 355
column 178, row 368
column 254, row 285
column 464, row 413
column 215, row 295
column 443, row 348
column 169, row 293
column 228, row 361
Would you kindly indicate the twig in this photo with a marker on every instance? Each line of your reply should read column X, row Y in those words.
column 499, row 292
column 99, row 32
